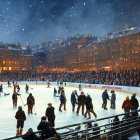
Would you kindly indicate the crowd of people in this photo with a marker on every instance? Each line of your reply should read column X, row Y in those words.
column 122, row 77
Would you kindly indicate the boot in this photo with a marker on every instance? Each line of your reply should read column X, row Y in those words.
column 73, row 109
column 17, row 132
column 21, row 130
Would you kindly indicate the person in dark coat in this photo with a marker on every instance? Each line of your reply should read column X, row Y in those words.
column 21, row 117
column 81, row 102
column 30, row 103
column 18, row 88
column 105, row 97
column 1, row 89
column 26, row 88
column 135, row 105
column 89, row 107
column 14, row 98
column 55, row 92
column 73, row 100
column 62, row 101
column 9, row 85
column 80, row 87
column 46, row 130
column 50, row 114
column 30, row 135
column 113, row 99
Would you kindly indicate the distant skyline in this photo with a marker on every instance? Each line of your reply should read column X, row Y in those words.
column 37, row 21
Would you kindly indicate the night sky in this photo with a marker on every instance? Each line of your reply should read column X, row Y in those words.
column 36, row 21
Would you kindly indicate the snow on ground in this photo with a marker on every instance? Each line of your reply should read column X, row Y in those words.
column 43, row 96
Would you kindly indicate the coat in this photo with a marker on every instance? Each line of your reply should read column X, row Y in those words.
column 73, row 98
column 30, row 100
column 47, row 130
column 126, row 105
column 81, row 99
column 113, row 98
column 14, row 96
column 50, row 113
column 20, row 115
column 89, row 104
column 62, row 98
column 105, row 95
column 134, row 103
column 1, row 89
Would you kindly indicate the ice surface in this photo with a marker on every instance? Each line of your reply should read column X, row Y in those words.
column 43, row 96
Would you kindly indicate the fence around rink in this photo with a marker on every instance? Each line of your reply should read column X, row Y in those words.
column 127, row 89
column 115, row 130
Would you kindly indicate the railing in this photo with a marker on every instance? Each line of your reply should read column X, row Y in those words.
column 114, row 130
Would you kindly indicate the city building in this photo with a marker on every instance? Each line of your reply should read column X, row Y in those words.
column 119, row 50
column 14, row 58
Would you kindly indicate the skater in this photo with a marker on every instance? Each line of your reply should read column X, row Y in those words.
column 73, row 100
column 81, row 102
column 127, row 107
column 46, row 130
column 18, row 89
column 27, row 88
column 48, row 84
column 30, row 103
column 15, row 86
column 50, row 114
column 105, row 97
column 89, row 107
column 9, row 85
column 55, row 92
column 113, row 99
column 14, row 98
column 21, row 117
column 1, row 89
column 62, row 101
column 76, row 93
column 80, row 87
column 135, row 105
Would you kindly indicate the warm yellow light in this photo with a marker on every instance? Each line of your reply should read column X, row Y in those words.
column 10, row 68
column 3, row 62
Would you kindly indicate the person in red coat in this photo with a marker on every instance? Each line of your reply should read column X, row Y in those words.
column 126, row 106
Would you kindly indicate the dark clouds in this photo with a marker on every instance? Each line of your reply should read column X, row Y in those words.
column 36, row 21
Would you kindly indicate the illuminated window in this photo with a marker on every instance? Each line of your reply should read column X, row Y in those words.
column 3, row 68
column 9, row 62
column 3, row 62
column 10, row 68
column 0, row 68
column 15, row 62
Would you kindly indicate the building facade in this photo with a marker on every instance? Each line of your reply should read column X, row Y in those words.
column 88, row 54
column 14, row 58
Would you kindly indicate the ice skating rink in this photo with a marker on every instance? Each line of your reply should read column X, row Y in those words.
column 43, row 96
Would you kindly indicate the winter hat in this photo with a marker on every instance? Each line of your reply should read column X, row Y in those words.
column 82, row 92
column 20, row 108
column 134, row 94
column 95, row 125
column 43, row 118
column 30, row 130
column 112, row 91
column 49, row 104
column 127, row 97
column 30, row 94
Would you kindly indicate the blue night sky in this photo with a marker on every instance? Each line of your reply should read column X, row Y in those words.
column 38, row 21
